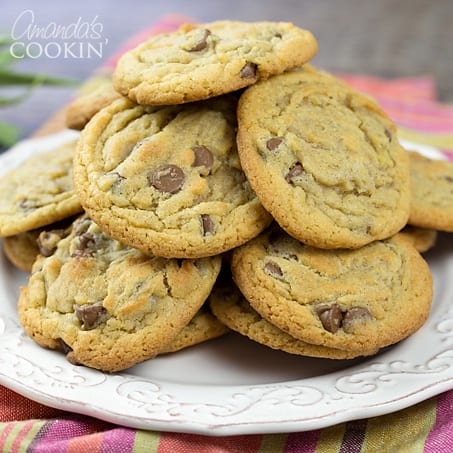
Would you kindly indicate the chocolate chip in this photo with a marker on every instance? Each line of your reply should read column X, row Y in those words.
column 90, row 315
column 63, row 346
column 81, row 225
column 448, row 178
column 388, row 134
column 273, row 143
column 28, row 205
column 207, row 225
column 249, row 71
column 48, row 241
column 296, row 170
column 85, row 245
column 273, row 269
column 203, row 157
column 353, row 316
column 167, row 178
column 330, row 317
column 202, row 44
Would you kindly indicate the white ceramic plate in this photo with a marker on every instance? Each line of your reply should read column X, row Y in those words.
column 232, row 385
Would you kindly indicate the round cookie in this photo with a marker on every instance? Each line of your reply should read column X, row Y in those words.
column 422, row 239
column 204, row 326
column 232, row 309
column 167, row 180
column 107, row 305
column 38, row 192
column 323, row 159
column 22, row 249
column 354, row 300
column 205, row 60
column 432, row 193
column 85, row 106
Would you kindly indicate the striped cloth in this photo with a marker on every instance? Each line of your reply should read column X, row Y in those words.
column 426, row 427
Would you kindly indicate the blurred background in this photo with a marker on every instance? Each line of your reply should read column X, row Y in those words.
column 388, row 38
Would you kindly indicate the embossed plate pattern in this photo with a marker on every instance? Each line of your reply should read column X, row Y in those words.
column 232, row 385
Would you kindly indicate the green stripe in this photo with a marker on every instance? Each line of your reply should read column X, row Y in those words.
column 146, row 441
column 31, row 435
column 273, row 443
column 12, row 436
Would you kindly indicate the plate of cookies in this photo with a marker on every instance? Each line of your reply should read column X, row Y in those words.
column 226, row 240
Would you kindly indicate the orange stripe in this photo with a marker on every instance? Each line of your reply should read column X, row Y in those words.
column 91, row 443
column 189, row 443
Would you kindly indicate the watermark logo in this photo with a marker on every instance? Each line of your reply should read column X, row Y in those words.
column 79, row 39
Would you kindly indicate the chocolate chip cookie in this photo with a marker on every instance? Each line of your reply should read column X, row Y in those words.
column 354, row 300
column 109, row 306
column 204, row 326
column 432, row 193
column 204, row 60
column 38, row 192
column 167, row 180
column 232, row 309
column 22, row 249
column 324, row 159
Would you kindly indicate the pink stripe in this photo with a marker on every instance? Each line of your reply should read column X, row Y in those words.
column 21, row 436
column 440, row 438
column 5, row 433
column 422, row 88
column 353, row 437
column 305, row 442
column 118, row 439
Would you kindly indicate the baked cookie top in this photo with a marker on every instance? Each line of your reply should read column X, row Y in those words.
column 204, row 60
column 432, row 193
column 107, row 305
column 38, row 192
column 323, row 159
column 167, row 180
column 232, row 309
column 354, row 300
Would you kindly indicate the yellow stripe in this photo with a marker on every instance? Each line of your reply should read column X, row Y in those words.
column 443, row 141
column 27, row 440
column 273, row 443
column 404, row 431
column 330, row 439
column 146, row 441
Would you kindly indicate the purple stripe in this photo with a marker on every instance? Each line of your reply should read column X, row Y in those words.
column 118, row 439
column 305, row 442
column 440, row 438
column 354, row 435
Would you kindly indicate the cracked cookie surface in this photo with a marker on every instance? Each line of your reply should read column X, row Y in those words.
column 167, row 180
column 107, row 305
column 38, row 192
column 354, row 300
column 204, row 60
column 323, row 159
column 432, row 193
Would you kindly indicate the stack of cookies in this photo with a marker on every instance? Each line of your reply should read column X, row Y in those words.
column 220, row 182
